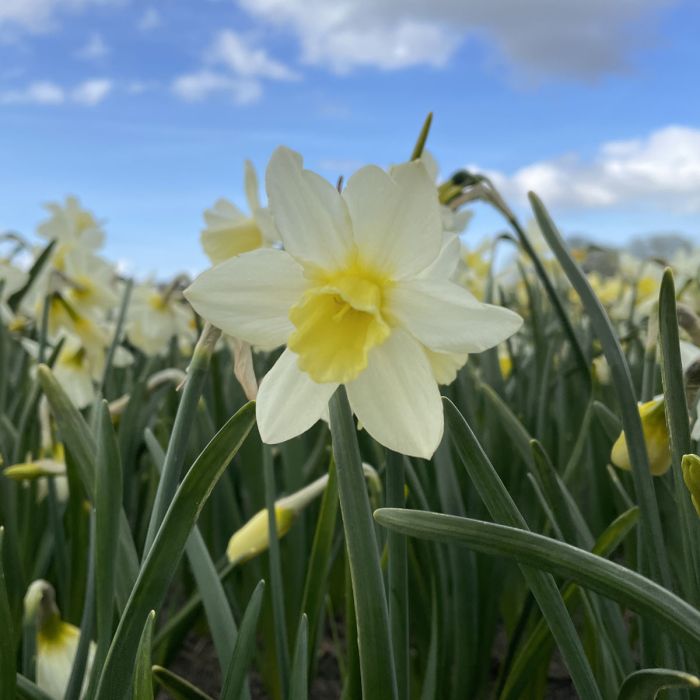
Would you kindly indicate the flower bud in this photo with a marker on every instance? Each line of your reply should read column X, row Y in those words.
column 653, row 417
column 691, row 475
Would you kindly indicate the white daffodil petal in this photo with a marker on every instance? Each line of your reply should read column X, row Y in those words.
column 395, row 218
column 447, row 318
column 251, row 186
column 308, row 211
column 397, row 399
column 289, row 401
column 249, row 296
column 445, row 265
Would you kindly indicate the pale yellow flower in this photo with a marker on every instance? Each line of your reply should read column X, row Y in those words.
column 230, row 232
column 353, row 298
column 56, row 641
column 155, row 317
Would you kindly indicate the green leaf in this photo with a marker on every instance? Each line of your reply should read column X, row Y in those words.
column 679, row 433
column 652, row 535
column 177, row 687
column 608, row 420
column 430, row 676
column 244, row 650
column 179, row 438
column 163, row 557
column 76, row 681
column 143, row 678
column 81, row 444
column 397, row 579
column 298, row 679
column 275, row 566
column 216, row 606
column 647, row 683
column 319, row 561
column 108, row 503
column 16, row 299
column 27, row 690
column 422, row 137
column 371, row 612
column 7, row 637
column 117, row 335
column 538, row 644
column 623, row 585
column 502, row 508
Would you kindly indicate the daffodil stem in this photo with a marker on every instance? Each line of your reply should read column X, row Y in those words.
column 77, row 674
column 116, row 338
column 679, row 433
column 398, row 573
column 177, row 447
column 371, row 611
column 276, row 586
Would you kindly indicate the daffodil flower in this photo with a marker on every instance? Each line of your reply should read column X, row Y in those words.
column 56, row 641
column 156, row 316
column 653, row 416
column 230, row 232
column 71, row 226
column 348, row 298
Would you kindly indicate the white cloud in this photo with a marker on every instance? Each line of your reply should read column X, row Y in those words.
column 150, row 19
column 41, row 92
column 40, row 15
column 94, row 49
column 661, row 169
column 245, row 60
column 44, row 92
column 91, row 92
column 199, row 85
column 539, row 37
column 236, row 67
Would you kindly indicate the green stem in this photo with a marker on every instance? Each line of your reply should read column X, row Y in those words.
column 372, row 615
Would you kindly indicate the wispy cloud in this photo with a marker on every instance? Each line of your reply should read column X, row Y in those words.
column 233, row 66
column 199, row 85
column 94, row 49
column 91, row 92
column 540, row 37
column 40, row 15
column 149, row 20
column 43, row 92
column 662, row 168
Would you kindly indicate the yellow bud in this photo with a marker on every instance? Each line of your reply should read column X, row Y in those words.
column 653, row 417
column 691, row 476
column 254, row 537
column 34, row 470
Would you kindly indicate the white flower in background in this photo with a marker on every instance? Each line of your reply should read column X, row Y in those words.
column 89, row 282
column 71, row 225
column 230, row 232
column 155, row 317
column 56, row 641
column 353, row 298
column 11, row 277
column 78, row 367
column 453, row 221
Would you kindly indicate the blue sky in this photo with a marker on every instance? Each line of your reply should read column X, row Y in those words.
column 146, row 110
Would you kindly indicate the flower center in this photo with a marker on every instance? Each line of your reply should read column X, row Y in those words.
column 338, row 321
